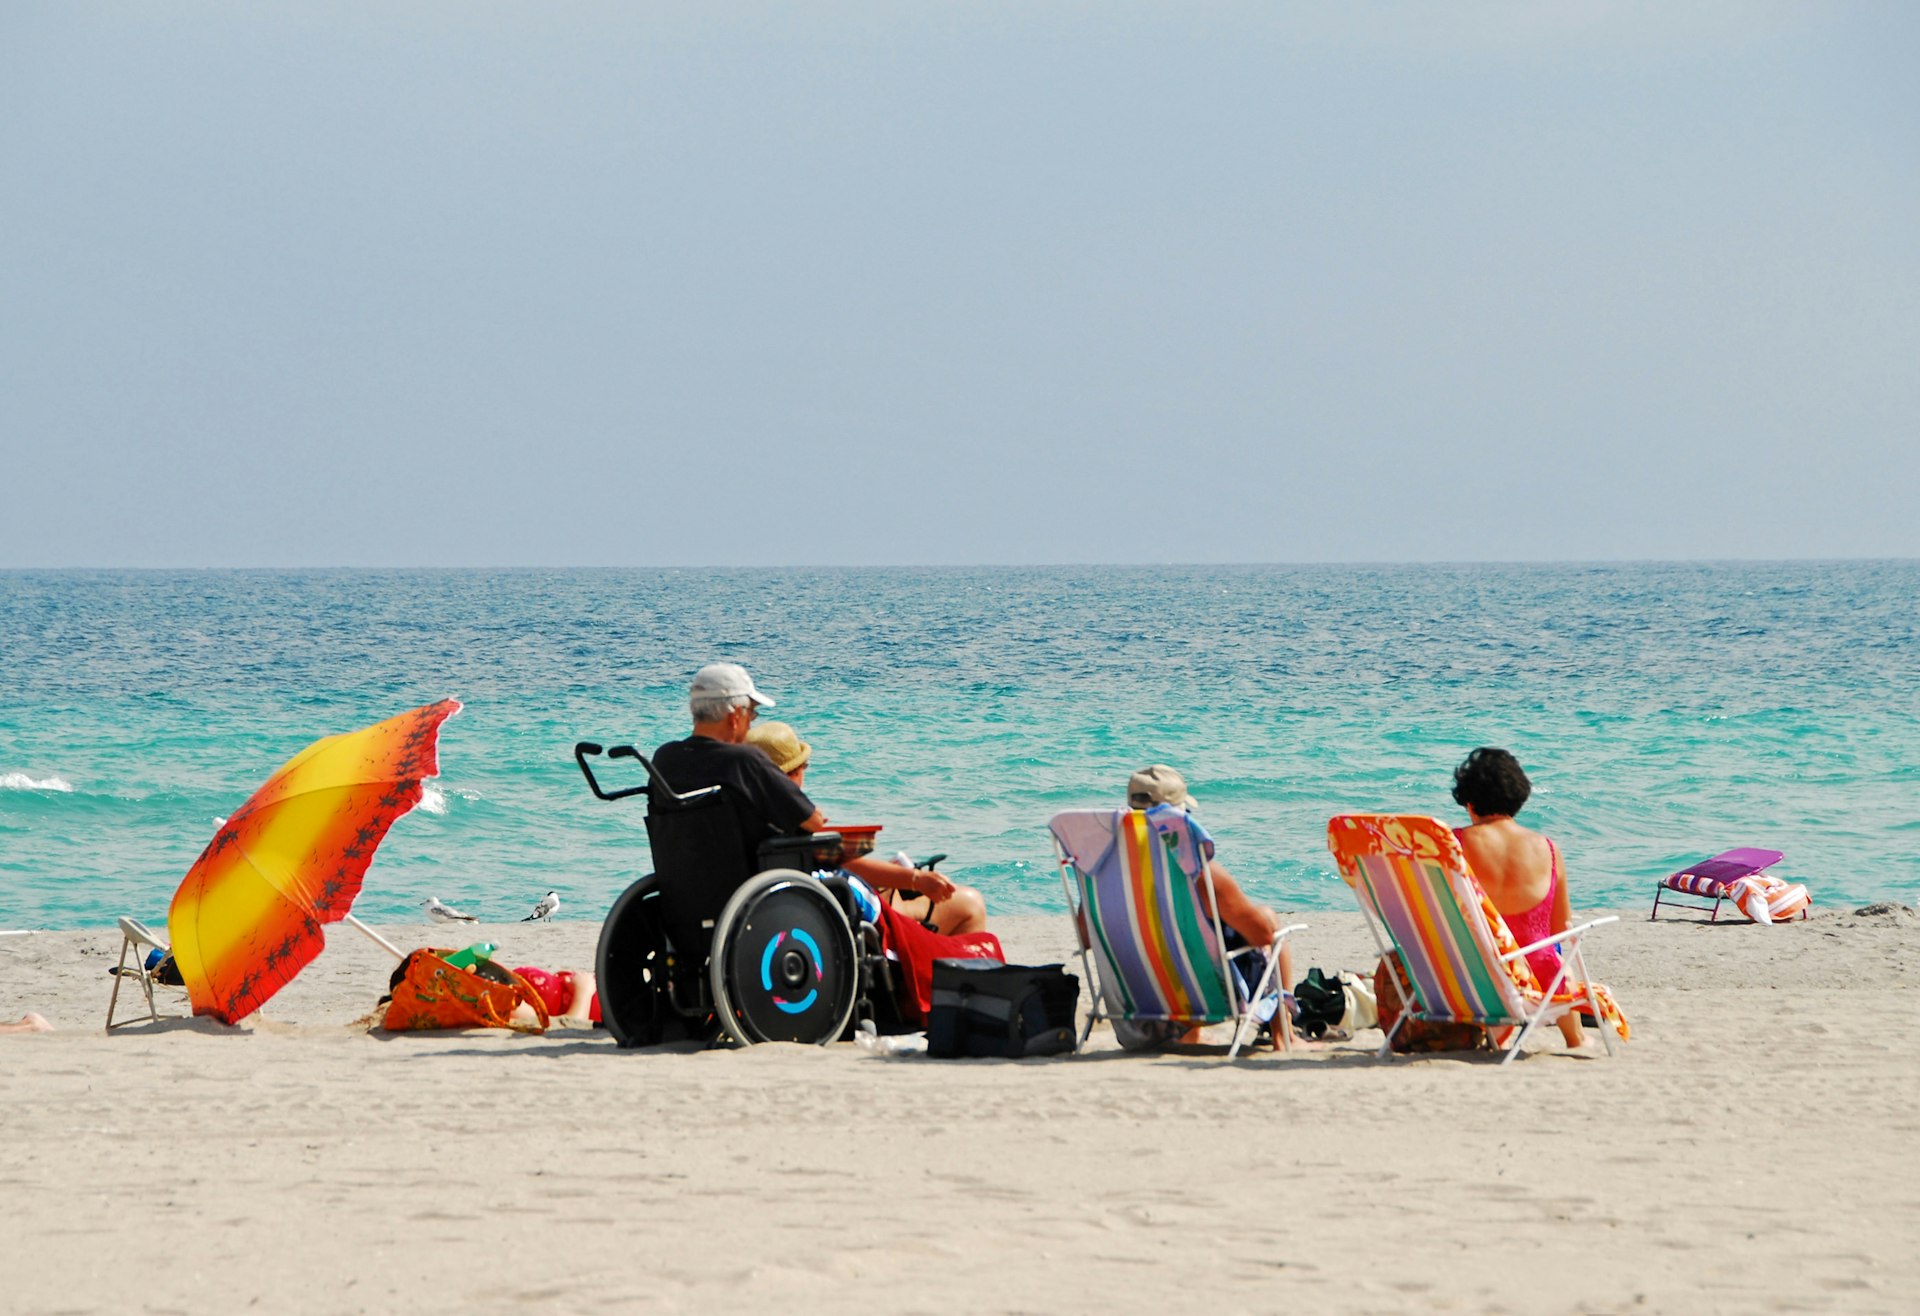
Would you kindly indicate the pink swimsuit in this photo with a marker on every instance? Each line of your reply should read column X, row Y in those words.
column 1532, row 925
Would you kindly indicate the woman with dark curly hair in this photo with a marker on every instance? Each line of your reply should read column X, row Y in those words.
column 1520, row 870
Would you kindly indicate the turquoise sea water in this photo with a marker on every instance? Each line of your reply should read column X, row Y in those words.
column 1666, row 711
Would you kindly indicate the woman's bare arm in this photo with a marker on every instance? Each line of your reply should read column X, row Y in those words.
column 889, row 876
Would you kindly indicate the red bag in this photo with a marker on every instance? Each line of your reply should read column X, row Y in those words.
column 1417, row 1034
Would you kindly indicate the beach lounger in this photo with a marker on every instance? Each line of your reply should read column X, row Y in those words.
column 1421, row 900
column 137, row 940
column 1735, row 875
column 1149, row 952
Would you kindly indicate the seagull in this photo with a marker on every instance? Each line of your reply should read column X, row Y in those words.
column 440, row 913
column 544, row 910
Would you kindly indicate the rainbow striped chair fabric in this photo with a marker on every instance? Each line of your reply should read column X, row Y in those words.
column 1151, row 953
column 1420, row 899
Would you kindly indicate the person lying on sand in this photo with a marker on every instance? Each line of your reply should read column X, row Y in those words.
column 929, row 898
column 1520, row 870
column 27, row 1023
column 1248, row 924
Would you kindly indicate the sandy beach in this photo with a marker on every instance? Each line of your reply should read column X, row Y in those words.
column 1751, row 1150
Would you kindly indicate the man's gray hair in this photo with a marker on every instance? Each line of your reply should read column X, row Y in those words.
column 714, row 708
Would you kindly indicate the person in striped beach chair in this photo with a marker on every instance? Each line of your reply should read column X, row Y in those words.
column 1463, row 964
column 1169, row 941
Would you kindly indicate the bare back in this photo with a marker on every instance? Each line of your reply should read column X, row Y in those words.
column 1514, row 865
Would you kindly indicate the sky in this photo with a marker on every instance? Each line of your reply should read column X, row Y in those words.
column 635, row 284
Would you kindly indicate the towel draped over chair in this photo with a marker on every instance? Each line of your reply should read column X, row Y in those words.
column 1414, row 884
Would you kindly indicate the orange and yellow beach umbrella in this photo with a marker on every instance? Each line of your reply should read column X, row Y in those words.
column 249, row 915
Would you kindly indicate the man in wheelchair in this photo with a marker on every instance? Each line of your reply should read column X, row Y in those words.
column 724, row 701
column 733, row 933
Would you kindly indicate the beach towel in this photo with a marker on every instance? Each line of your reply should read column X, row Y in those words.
column 1593, row 995
column 1766, row 899
column 915, row 948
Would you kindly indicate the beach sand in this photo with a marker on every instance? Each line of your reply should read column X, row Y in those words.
column 1753, row 1149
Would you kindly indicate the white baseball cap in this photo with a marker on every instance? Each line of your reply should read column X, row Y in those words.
column 726, row 679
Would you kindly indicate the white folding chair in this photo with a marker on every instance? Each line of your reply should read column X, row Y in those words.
column 137, row 939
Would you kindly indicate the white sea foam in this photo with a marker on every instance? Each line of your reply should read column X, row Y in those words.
column 20, row 781
column 432, row 798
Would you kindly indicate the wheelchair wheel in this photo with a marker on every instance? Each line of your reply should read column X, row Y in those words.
column 784, row 966
column 630, row 967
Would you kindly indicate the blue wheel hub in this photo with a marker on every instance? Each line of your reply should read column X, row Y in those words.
column 799, row 966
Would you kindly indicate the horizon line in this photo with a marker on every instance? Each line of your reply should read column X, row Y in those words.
column 968, row 566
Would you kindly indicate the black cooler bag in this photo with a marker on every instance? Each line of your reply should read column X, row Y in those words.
column 981, row 1008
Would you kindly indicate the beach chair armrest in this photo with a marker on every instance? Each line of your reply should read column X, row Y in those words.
column 1568, row 935
column 1272, row 947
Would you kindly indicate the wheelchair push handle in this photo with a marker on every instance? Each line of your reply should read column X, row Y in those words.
column 586, row 749
column 656, row 787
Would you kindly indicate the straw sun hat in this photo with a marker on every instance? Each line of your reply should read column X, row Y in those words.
column 781, row 743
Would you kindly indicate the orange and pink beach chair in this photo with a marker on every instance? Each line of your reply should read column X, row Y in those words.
column 1421, row 900
column 1157, row 962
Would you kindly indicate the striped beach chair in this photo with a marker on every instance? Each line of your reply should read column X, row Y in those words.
column 1735, row 875
column 1151, row 953
column 1421, row 900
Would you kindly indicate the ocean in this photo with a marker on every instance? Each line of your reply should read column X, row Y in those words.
column 1665, row 711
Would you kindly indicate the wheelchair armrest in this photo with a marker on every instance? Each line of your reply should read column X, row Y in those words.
column 809, row 853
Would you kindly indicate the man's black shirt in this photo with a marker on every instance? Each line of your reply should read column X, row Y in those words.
column 766, row 799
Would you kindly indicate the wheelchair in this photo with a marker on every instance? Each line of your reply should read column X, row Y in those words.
column 718, row 942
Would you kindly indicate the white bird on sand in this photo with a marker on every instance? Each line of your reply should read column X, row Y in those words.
column 544, row 910
column 440, row 913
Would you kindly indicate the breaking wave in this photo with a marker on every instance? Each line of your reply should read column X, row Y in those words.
column 20, row 781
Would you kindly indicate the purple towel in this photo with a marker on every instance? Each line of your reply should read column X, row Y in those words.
column 1732, row 865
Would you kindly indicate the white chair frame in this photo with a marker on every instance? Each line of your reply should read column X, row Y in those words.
column 135, row 937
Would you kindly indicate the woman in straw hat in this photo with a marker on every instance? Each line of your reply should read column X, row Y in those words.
column 921, row 894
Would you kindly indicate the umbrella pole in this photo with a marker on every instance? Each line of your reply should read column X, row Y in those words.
column 381, row 941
